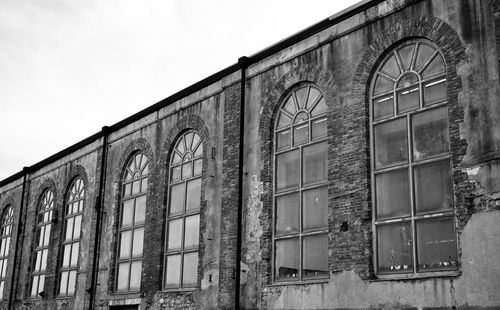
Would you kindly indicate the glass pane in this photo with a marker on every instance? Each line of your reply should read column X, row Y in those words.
column 44, row 260
column 140, row 209
column 383, row 107
column 301, row 134
column 138, row 242
column 283, row 139
column 123, row 273
column 284, row 120
column 176, row 173
column 189, row 140
column 435, row 66
column 287, row 259
column 392, row 194
column 433, row 187
column 135, row 275
column 66, row 255
column 408, row 99
column 315, row 209
column 71, row 283
column 128, row 212
column 128, row 190
column 407, row 80
column 69, row 228
column 144, row 185
column 174, row 234
column 288, row 170
column 177, row 159
column 405, row 54
column 198, row 165
column 436, row 244
column 46, row 238
column 136, row 187
column 391, row 67
column 125, row 239
column 394, row 248
column 196, row 139
column 315, row 163
column 313, row 96
column 74, row 254
column 177, row 198
column 301, row 117
column 199, row 150
column 78, row 227
column 192, row 232
column 186, row 170
column 430, row 133
column 391, row 145
column 290, row 106
column 318, row 128
column 180, row 146
column 434, row 92
column 301, row 95
column 320, row 108
column 173, row 272
column 315, row 256
column 34, row 287
column 190, row 272
column 382, row 85
column 423, row 54
column 63, row 286
column 193, row 194
column 287, row 214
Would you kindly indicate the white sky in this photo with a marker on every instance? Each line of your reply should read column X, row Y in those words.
column 67, row 68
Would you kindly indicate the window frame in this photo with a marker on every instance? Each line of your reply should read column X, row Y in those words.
column 8, row 214
column 183, row 214
column 413, row 218
column 300, row 188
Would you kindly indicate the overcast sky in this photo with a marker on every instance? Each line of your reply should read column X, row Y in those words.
column 69, row 67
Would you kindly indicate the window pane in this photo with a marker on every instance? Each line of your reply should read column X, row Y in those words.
column 123, row 273
column 44, row 260
column 383, row 107
column 125, row 239
column 69, row 228
column 66, row 255
column 74, row 254
column 435, row 66
column 34, row 286
column 64, row 283
column 138, row 242
column 140, row 209
column 313, row 96
column 301, row 134
column 287, row 259
column 436, row 245
column 315, row 163
column 144, row 185
column 173, row 272
column 391, row 145
column 423, row 54
column 288, row 168
column 393, row 194
column 382, row 85
column 136, row 187
column 128, row 212
column 430, row 133
column 192, row 232
column 283, row 140
column 135, row 275
column 186, row 170
column 406, row 55
column 198, row 166
column 433, row 187
column 318, row 128
column 78, row 227
column 434, row 91
column 174, row 234
column 128, row 190
column 176, row 173
column 284, row 120
column 394, row 248
column 46, row 238
column 190, row 272
column 391, row 67
column 315, row 256
column 71, row 282
column 177, row 199
column 315, row 209
column 301, row 95
column 193, row 195
column 408, row 99
column 287, row 214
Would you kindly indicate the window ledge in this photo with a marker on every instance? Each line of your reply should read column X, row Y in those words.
column 180, row 290
column 309, row 282
column 427, row 275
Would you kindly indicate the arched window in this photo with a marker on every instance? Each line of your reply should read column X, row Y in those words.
column 132, row 216
column 300, row 233
column 42, row 240
column 183, row 218
column 5, row 233
column 411, row 163
column 71, row 237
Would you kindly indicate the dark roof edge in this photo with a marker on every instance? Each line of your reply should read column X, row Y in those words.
column 287, row 42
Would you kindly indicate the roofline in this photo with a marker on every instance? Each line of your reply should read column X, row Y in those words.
column 273, row 49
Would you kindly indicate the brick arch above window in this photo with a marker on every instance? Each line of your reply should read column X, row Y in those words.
column 77, row 171
column 138, row 145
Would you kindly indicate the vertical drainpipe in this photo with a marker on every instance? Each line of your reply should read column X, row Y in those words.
column 98, row 209
column 18, row 251
column 243, row 62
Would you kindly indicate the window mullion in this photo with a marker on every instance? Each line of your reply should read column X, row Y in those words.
column 412, row 192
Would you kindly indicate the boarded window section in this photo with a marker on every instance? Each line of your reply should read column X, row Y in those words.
column 300, row 203
column 133, row 214
column 5, row 237
column 71, row 242
column 42, row 241
column 183, row 221
column 412, row 176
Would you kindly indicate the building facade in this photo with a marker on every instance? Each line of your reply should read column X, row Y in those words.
column 354, row 165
